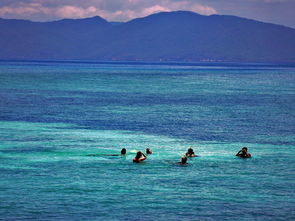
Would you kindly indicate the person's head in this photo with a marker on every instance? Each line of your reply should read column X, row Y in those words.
column 183, row 159
column 190, row 150
column 148, row 151
column 138, row 155
column 245, row 149
column 123, row 151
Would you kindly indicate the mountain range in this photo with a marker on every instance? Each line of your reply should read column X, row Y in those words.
column 165, row 36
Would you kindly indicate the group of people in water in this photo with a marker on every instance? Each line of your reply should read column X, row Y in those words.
column 140, row 156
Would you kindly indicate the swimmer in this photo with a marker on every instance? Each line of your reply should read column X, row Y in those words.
column 243, row 153
column 190, row 152
column 148, row 151
column 183, row 160
column 139, row 157
column 123, row 151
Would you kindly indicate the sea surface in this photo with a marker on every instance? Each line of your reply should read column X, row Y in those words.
column 60, row 121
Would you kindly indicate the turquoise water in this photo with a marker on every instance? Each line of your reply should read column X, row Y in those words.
column 58, row 119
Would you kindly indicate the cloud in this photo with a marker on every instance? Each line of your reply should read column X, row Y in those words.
column 69, row 11
column 115, row 10
column 23, row 9
column 32, row 10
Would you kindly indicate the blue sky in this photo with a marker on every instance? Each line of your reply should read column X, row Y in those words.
column 274, row 11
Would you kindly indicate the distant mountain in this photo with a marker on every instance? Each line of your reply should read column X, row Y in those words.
column 166, row 36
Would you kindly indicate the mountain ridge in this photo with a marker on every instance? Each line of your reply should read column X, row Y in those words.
column 158, row 13
column 164, row 36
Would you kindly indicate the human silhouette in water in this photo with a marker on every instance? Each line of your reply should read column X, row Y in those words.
column 190, row 152
column 139, row 157
column 148, row 151
column 243, row 153
column 183, row 160
column 123, row 151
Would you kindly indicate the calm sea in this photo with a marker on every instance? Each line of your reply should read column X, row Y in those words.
column 59, row 121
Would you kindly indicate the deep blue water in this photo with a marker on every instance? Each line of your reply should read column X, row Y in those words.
column 54, row 118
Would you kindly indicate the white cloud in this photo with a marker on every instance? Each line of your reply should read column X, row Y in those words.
column 69, row 11
column 23, row 9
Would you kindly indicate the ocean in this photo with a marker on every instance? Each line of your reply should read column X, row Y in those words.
column 61, row 122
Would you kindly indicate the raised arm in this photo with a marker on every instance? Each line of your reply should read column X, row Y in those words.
column 143, row 157
column 238, row 153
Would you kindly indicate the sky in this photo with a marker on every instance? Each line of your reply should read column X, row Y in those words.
column 273, row 11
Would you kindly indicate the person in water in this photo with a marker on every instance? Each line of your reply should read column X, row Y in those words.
column 183, row 160
column 243, row 153
column 139, row 157
column 190, row 152
column 123, row 151
column 148, row 151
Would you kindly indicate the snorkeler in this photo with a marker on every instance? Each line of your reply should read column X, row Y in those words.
column 148, row 151
column 190, row 152
column 183, row 160
column 123, row 151
column 243, row 153
column 139, row 157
